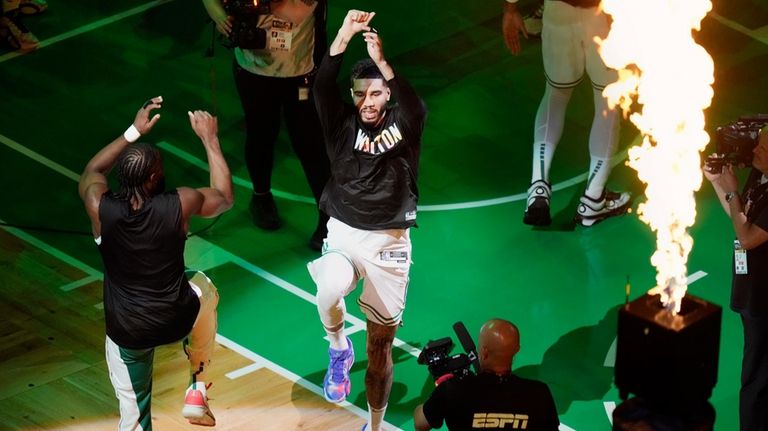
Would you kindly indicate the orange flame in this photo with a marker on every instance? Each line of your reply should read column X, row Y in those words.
column 651, row 45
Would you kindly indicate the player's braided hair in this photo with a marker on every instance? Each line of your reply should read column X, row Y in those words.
column 365, row 69
column 134, row 166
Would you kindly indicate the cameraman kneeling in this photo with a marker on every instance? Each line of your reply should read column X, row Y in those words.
column 749, row 295
column 495, row 398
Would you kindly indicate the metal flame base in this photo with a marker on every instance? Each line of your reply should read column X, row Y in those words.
column 668, row 359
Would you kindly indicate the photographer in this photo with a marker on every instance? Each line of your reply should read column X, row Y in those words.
column 279, row 44
column 749, row 214
column 495, row 398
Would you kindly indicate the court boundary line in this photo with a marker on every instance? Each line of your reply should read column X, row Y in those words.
column 86, row 28
column 193, row 160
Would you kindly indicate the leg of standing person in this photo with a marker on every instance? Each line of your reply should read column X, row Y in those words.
column 753, row 397
column 378, row 375
column 307, row 138
column 335, row 276
column 547, row 132
column 199, row 348
column 260, row 98
column 130, row 371
column 563, row 61
column 387, row 269
column 597, row 203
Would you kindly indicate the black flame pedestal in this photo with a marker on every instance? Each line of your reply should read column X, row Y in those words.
column 668, row 362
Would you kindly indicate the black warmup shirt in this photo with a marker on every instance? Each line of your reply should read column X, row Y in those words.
column 147, row 298
column 373, row 171
column 490, row 401
column 749, row 294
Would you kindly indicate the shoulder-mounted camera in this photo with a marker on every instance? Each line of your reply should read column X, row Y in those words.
column 436, row 355
column 734, row 142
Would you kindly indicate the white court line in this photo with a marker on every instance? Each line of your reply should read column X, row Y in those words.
column 609, row 406
column 191, row 159
column 86, row 28
column 760, row 35
column 240, row 372
column 10, row 143
column 80, row 283
column 53, row 251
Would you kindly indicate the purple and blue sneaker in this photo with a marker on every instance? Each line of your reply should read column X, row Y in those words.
column 336, row 384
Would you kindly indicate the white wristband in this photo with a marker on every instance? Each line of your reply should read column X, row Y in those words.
column 131, row 134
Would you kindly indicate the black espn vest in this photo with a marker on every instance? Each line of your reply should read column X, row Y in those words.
column 147, row 298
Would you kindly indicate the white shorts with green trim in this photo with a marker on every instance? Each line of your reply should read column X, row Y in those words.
column 568, row 45
column 382, row 258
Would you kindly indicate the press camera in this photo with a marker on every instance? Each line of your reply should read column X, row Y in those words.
column 734, row 142
column 246, row 33
column 436, row 355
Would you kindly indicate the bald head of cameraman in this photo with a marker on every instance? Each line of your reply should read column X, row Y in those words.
column 748, row 212
column 493, row 398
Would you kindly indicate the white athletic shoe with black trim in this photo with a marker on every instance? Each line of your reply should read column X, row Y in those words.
column 610, row 204
column 537, row 207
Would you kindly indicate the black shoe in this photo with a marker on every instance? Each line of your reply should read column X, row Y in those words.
column 537, row 209
column 264, row 211
column 321, row 231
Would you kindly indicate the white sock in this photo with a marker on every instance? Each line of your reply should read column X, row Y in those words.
column 337, row 339
column 603, row 141
column 548, row 129
column 375, row 418
column 599, row 168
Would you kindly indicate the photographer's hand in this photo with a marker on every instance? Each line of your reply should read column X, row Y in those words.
column 511, row 27
column 725, row 181
column 219, row 16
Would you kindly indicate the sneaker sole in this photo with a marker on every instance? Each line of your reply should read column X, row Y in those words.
column 591, row 221
column 197, row 415
column 537, row 214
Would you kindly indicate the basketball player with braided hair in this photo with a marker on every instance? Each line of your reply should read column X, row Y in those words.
column 140, row 230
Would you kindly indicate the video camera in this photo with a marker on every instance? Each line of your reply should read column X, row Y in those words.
column 246, row 33
column 436, row 356
column 734, row 142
